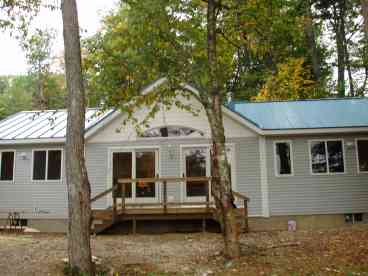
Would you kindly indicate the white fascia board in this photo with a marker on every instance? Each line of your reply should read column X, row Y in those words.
column 101, row 124
column 241, row 120
column 33, row 141
column 314, row 131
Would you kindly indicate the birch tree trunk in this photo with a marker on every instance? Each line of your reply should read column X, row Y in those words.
column 221, row 184
column 79, row 192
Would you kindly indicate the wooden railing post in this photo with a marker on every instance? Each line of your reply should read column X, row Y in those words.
column 246, row 229
column 165, row 196
column 122, row 198
column 114, row 203
column 207, row 195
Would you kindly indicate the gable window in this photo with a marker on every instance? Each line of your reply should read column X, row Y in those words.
column 7, row 166
column 47, row 164
column 171, row 131
column 283, row 158
column 327, row 156
column 362, row 151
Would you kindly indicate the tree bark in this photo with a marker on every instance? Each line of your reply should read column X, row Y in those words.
column 365, row 41
column 348, row 67
column 365, row 17
column 79, row 191
column 339, row 29
column 221, row 183
column 310, row 34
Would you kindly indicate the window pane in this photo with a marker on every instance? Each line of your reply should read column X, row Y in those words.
column 335, row 156
column 318, row 154
column 363, row 155
column 195, row 160
column 7, row 165
column 54, row 165
column 283, row 158
column 122, row 168
column 39, row 165
column 145, row 168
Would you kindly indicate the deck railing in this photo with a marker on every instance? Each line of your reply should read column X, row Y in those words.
column 119, row 209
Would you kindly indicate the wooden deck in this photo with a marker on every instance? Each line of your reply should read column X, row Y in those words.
column 163, row 210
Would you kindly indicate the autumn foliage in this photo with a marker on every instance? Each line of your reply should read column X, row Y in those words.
column 293, row 80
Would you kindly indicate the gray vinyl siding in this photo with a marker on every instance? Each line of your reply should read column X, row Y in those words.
column 247, row 166
column 34, row 199
column 48, row 199
column 304, row 193
column 248, row 173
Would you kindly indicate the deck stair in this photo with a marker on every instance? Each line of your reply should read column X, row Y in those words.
column 163, row 210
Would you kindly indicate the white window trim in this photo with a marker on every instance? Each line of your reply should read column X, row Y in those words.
column 277, row 174
column 47, row 165
column 14, row 161
column 328, row 165
column 357, row 155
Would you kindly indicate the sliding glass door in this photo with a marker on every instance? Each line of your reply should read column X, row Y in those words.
column 137, row 163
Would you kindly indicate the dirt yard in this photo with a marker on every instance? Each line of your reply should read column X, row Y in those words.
column 333, row 252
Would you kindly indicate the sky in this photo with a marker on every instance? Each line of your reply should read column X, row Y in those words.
column 12, row 59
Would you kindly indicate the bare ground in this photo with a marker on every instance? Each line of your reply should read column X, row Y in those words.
column 332, row 252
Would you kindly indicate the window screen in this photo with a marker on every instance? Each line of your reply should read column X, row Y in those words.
column 283, row 158
column 54, row 165
column 7, row 165
column 363, row 155
column 39, row 165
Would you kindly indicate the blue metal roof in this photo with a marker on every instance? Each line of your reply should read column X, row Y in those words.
column 305, row 114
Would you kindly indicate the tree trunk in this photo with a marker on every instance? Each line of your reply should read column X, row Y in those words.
column 221, row 184
column 348, row 68
column 79, row 191
column 339, row 29
column 365, row 41
column 365, row 16
column 310, row 34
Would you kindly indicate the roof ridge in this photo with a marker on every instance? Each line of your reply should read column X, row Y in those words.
column 54, row 110
column 298, row 100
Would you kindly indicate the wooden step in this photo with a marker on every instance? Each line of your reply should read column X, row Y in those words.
column 102, row 214
column 97, row 228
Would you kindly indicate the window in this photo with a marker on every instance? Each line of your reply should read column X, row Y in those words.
column 7, row 166
column 172, row 131
column 283, row 161
column 327, row 156
column 47, row 164
column 196, row 166
column 354, row 218
column 362, row 151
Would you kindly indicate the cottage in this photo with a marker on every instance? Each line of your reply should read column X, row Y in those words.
column 305, row 161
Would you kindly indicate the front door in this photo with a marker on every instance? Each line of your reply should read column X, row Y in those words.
column 137, row 164
column 196, row 164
